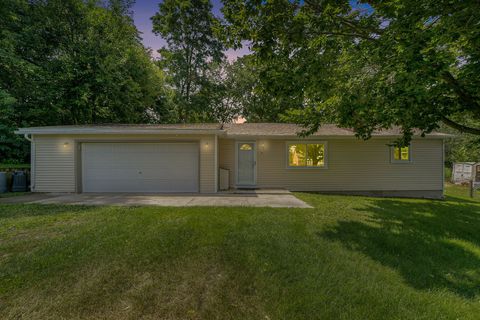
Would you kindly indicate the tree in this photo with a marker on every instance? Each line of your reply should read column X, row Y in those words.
column 246, row 92
column 232, row 90
column 366, row 66
column 216, row 93
column 461, row 147
column 194, row 47
column 73, row 62
column 241, row 81
column 12, row 147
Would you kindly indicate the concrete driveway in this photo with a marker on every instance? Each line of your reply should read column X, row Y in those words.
column 280, row 200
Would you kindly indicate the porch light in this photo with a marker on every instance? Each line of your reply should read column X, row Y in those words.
column 65, row 144
column 262, row 147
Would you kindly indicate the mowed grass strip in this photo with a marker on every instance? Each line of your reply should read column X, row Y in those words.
column 348, row 258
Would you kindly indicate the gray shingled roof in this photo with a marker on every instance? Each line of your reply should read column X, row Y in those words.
column 238, row 130
column 177, row 126
column 281, row 129
column 124, row 129
column 289, row 129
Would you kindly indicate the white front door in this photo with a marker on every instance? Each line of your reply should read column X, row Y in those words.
column 246, row 164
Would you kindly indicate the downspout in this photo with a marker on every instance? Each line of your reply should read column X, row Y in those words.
column 32, row 161
column 27, row 137
column 216, row 163
column 443, row 168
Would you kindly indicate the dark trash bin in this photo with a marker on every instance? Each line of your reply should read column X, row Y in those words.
column 3, row 182
column 19, row 182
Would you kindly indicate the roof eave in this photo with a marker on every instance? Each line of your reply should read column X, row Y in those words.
column 323, row 137
column 82, row 131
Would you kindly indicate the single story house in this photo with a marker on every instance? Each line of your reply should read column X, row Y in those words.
column 187, row 158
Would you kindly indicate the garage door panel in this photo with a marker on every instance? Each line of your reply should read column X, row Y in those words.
column 144, row 186
column 140, row 167
column 146, row 148
column 133, row 174
column 120, row 173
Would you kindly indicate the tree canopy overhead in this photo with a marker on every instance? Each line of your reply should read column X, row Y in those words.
column 367, row 66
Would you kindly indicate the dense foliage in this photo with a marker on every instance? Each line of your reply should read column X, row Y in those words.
column 194, row 49
column 71, row 62
column 461, row 147
column 366, row 66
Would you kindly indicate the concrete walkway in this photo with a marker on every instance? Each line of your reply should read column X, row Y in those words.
column 281, row 200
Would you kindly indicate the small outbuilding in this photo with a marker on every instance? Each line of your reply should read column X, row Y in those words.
column 464, row 172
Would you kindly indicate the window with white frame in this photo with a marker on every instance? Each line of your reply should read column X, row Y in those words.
column 306, row 155
column 401, row 154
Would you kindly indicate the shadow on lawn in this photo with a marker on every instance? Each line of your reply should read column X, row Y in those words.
column 433, row 244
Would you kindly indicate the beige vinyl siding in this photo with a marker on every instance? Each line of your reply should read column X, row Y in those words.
column 226, row 158
column 56, row 166
column 352, row 165
column 207, row 164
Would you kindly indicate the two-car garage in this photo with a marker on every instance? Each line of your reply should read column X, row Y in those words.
column 140, row 167
column 141, row 158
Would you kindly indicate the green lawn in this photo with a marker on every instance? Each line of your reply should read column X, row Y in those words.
column 349, row 258
column 12, row 194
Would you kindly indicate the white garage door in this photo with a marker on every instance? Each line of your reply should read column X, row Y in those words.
column 140, row 167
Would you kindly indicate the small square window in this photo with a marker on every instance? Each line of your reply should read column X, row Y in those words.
column 401, row 154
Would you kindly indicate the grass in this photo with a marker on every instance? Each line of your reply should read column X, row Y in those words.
column 12, row 194
column 14, row 166
column 448, row 173
column 349, row 258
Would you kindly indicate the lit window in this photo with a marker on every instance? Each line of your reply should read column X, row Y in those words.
column 401, row 154
column 296, row 155
column 246, row 147
column 306, row 155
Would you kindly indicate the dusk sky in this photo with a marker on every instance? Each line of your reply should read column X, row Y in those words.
column 143, row 10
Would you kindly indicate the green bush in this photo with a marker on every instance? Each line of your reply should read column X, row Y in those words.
column 448, row 173
column 11, row 166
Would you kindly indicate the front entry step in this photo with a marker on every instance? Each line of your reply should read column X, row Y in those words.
column 256, row 191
